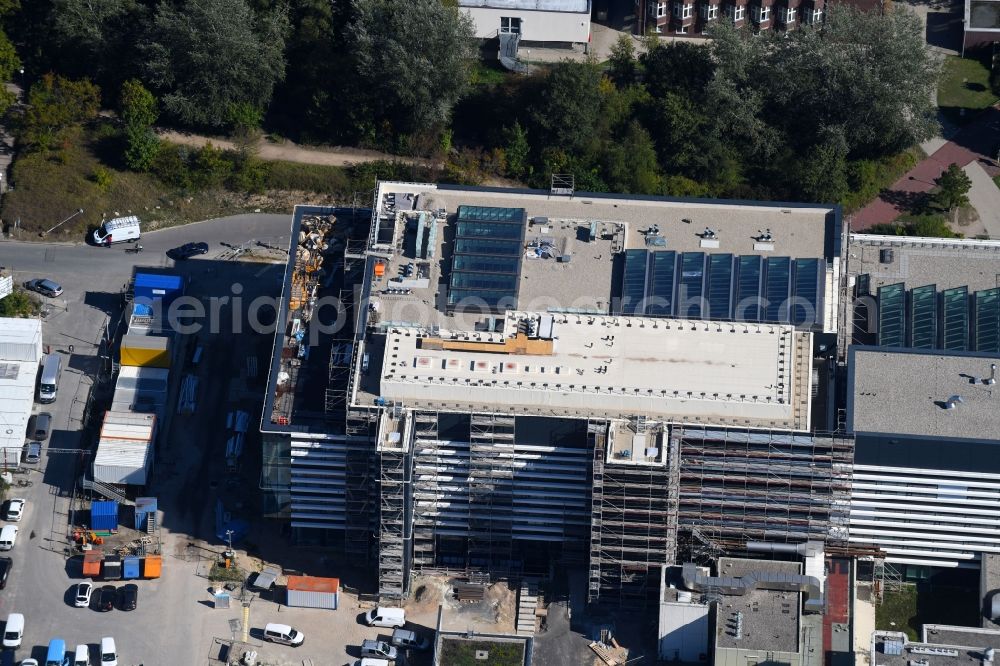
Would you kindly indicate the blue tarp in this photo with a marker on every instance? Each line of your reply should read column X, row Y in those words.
column 130, row 568
column 149, row 288
column 104, row 515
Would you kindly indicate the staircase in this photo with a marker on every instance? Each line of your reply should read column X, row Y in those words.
column 106, row 491
column 150, row 522
column 527, row 602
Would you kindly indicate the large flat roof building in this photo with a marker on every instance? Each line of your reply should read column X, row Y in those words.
column 514, row 377
column 927, row 455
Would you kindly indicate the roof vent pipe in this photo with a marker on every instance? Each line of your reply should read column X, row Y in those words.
column 992, row 379
column 953, row 402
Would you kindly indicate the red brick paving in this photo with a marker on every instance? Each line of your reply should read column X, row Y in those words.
column 838, row 581
column 976, row 141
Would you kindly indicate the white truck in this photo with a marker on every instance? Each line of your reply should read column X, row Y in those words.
column 117, row 230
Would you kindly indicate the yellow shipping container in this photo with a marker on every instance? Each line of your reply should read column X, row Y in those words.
column 145, row 351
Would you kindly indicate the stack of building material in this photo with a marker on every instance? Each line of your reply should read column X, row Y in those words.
column 186, row 400
column 469, row 592
column 527, row 602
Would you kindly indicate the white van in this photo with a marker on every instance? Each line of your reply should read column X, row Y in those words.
column 386, row 617
column 109, row 653
column 282, row 633
column 49, row 384
column 13, row 630
column 8, row 535
column 82, row 656
column 117, row 230
column 373, row 661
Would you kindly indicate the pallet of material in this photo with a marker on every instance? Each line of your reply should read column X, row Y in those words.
column 604, row 652
column 467, row 592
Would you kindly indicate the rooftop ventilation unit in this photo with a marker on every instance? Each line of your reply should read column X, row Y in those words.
column 953, row 402
column 992, row 379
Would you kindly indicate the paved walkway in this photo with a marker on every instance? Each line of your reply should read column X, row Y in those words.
column 975, row 143
column 985, row 198
column 291, row 152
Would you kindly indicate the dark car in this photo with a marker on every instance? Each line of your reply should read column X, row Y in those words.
column 105, row 598
column 5, row 566
column 187, row 251
column 128, row 597
column 45, row 287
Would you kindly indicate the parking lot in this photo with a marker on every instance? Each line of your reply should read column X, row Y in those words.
column 173, row 623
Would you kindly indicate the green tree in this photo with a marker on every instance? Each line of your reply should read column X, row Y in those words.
column 54, row 104
column 953, row 188
column 94, row 38
column 9, row 63
column 568, row 107
column 204, row 56
column 821, row 176
column 622, row 61
column 138, row 110
column 412, row 60
column 518, row 150
column 17, row 304
column 630, row 165
column 680, row 67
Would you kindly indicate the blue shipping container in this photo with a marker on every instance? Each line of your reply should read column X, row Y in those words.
column 104, row 515
column 130, row 568
column 143, row 507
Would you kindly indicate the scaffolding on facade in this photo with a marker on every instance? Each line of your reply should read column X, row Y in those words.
column 359, row 481
column 633, row 524
column 737, row 486
column 425, row 425
column 394, row 482
column 491, row 492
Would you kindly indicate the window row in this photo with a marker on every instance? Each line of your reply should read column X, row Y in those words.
column 709, row 12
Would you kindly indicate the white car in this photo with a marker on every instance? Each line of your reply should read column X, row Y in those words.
column 15, row 509
column 82, row 597
column 29, row 662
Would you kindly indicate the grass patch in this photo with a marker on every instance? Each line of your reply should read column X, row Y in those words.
column 965, row 84
column 458, row 652
column 221, row 574
column 996, row 181
column 487, row 73
column 307, row 177
column 927, row 225
column 915, row 605
column 868, row 178
column 49, row 187
column 898, row 612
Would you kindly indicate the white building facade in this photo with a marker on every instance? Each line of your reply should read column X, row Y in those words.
column 541, row 21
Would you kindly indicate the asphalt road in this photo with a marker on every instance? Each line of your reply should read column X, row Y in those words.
column 173, row 606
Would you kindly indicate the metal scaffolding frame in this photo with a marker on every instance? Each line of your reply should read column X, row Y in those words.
column 425, row 426
column 361, row 427
column 394, row 533
column 739, row 485
column 491, row 494
column 633, row 524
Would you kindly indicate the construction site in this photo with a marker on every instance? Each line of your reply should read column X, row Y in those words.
column 486, row 407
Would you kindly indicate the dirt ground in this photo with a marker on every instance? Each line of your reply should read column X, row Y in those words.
column 494, row 614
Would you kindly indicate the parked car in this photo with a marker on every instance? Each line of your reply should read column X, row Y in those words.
column 282, row 633
column 29, row 662
column 106, row 598
column 8, row 537
column 380, row 649
column 15, row 509
column 33, row 453
column 128, row 597
column 6, row 564
column 43, row 426
column 409, row 640
column 187, row 251
column 44, row 286
column 81, row 597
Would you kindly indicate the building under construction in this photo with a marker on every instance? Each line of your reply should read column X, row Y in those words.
column 522, row 380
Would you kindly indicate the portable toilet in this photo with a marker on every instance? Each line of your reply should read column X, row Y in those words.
column 130, row 568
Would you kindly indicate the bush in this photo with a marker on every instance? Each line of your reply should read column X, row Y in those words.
column 18, row 304
column 306, row 177
column 927, row 225
column 867, row 178
column 171, row 166
column 104, row 179
column 211, row 168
